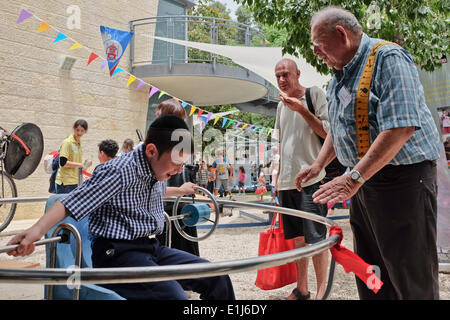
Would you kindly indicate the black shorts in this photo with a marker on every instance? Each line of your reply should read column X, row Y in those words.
column 301, row 227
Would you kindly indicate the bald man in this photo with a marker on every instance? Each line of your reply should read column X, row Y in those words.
column 298, row 130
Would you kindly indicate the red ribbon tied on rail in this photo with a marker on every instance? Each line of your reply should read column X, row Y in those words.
column 353, row 263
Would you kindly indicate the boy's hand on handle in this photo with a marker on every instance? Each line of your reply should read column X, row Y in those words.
column 25, row 240
column 188, row 188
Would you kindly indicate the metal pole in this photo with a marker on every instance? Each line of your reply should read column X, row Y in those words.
column 67, row 229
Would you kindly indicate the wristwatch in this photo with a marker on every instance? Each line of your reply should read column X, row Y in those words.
column 355, row 175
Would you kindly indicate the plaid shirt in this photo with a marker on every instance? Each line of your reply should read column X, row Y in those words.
column 123, row 199
column 396, row 100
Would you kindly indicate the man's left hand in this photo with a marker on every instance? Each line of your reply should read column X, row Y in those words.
column 337, row 190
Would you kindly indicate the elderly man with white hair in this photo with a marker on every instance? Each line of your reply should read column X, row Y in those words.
column 381, row 128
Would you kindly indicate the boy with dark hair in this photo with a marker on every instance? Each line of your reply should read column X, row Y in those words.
column 124, row 201
column 107, row 150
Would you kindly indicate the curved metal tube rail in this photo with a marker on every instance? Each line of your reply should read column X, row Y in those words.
column 177, row 272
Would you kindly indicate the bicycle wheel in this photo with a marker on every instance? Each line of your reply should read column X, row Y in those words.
column 7, row 190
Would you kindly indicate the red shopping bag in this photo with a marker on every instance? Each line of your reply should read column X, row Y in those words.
column 272, row 241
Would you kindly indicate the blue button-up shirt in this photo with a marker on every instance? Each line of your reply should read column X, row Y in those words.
column 122, row 197
column 396, row 100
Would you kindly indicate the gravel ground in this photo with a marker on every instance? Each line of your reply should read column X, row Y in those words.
column 224, row 244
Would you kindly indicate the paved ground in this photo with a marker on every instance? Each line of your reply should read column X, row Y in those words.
column 224, row 244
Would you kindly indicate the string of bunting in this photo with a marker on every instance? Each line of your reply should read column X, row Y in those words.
column 44, row 26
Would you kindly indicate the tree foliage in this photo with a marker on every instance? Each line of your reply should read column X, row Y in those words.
column 420, row 26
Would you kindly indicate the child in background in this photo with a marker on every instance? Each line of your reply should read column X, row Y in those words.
column 261, row 189
column 241, row 181
column 211, row 179
column 202, row 175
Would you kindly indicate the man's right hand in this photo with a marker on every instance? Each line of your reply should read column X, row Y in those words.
column 25, row 240
column 305, row 175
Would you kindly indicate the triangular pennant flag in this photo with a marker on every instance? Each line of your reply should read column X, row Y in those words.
column 76, row 45
column 270, row 131
column 153, row 90
column 92, row 57
column 224, row 121
column 130, row 80
column 184, row 104
column 44, row 26
column 103, row 64
column 161, row 94
column 193, row 108
column 230, row 122
column 256, row 128
column 200, row 111
column 216, row 119
column 208, row 117
column 251, row 126
column 244, row 126
column 237, row 124
column 141, row 83
column 115, row 42
column 59, row 37
column 117, row 70
column 24, row 15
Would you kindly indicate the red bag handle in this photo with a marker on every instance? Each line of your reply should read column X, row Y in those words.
column 274, row 219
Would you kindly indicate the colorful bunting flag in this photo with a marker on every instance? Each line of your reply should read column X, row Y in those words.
column 208, row 117
column 130, row 80
column 141, row 83
column 153, row 90
column 224, row 121
column 244, row 126
column 115, row 42
column 24, row 15
column 59, row 37
column 103, row 64
column 76, row 45
column 193, row 108
column 216, row 119
column 44, row 26
column 161, row 94
column 229, row 123
column 117, row 70
column 237, row 124
column 92, row 57
column 200, row 111
column 184, row 104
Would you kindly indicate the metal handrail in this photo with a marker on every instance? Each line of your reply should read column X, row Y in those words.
column 163, row 273
column 141, row 55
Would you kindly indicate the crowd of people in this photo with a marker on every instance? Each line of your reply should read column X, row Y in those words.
column 391, row 183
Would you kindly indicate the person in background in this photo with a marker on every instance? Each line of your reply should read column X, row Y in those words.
column 241, row 181
column 261, row 189
column 107, row 150
column 211, row 179
column 176, row 181
column 202, row 175
column 71, row 159
column 127, row 146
